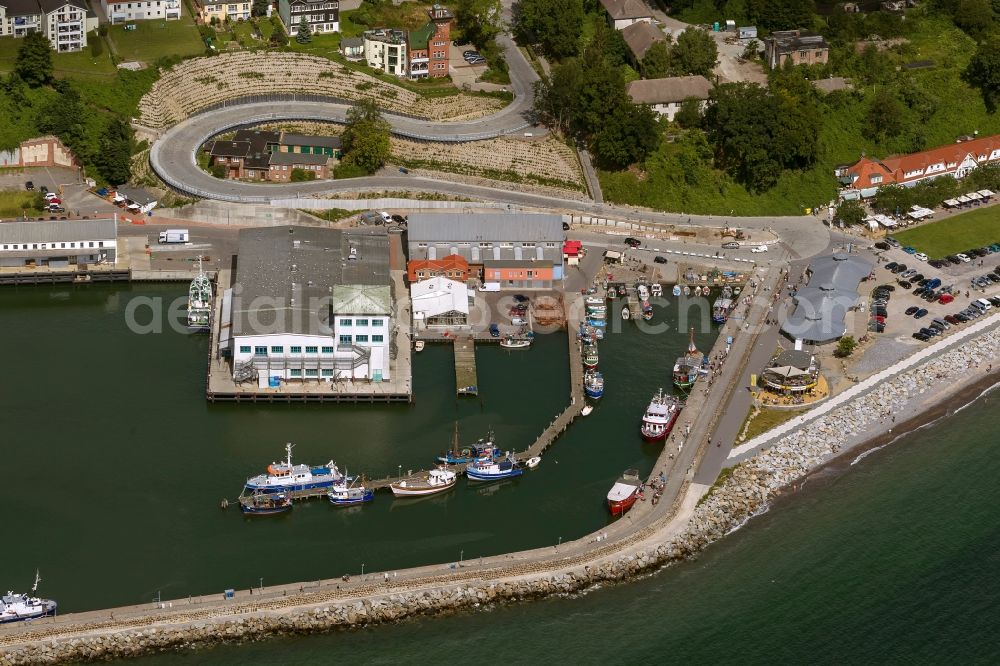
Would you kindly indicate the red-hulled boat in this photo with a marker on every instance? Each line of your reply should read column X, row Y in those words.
column 624, row 493
column 660, row 417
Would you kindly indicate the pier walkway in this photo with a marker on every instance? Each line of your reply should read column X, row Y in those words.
column 466, row 380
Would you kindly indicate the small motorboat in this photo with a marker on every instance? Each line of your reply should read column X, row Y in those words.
column 626, row 313
column 612, row 293
column 418, row 345
column 260, row 503
column 590, row 356
column 594, row 300
column 510, row 342
column 687, row 290
column 697, row 291
column 622, row 291
column 593, row 384
column 656, row 289
column 348, row 495
column 677, row 290
column 599, row 333
column 432, row 482
column 624, row 493
column 587, row 409
column 642, row 291
column 533, row 462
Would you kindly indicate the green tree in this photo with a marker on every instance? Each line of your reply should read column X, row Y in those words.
column 752, row 50
column 302, row 175
column 694, row 53
column 479, row 21
column 65, row 116
column 555, row 98
column 218, row 170
column 893, row 199
column 304, row 35
column 850, row 212
column 34, row 60
column 366, row 138
column 845, row 346
column 95, row 43
column 780, row 14
column 629, row 133
column 656, row 63
column 114, row 158
column 983, row 71
column 884, row 117
column 259, row 7
column 555, row 24
column 690, row 113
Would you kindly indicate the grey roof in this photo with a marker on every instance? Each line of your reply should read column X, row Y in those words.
column 57, row 231
column 286, row 276
column 787, row 41
column 351, row 43
column 669, row 89
column 21, row 7
column 52, row 5
column 627, row 9
column 363, row 299
column 641, row 36
column 474, row 227
column 796, row 358
column 230, row 148
column 298, row 158
column 258, row 139
column 136, row 195
column 821, row 306
column 289, row 139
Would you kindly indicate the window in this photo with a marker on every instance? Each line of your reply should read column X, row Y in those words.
column 244, row 349
column 100, row 244
column 327, row 372
column 346, row 339
column 311, row 350
column 345, row 322
column 378, row 322
column 327, row 350
column 277, row 349
column 378, row 338
column 260, row 351
column 296, row 373
column 361, row 322
column 296, row 349
column 312, row 372
column 361, row 338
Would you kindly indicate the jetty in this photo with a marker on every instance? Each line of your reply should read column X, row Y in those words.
column 466, row 381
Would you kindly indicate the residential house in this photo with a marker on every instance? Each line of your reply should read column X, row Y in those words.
column 623, row 13
column 310, row 304
column 281, row 165
column 512, row 250
column 58, row 244
column 665, row 95
column 639, row 37
column 453, row 267
column 221, row 10
column 65, row 24
column 263, row 155
column 429, row 45
column 865, row 176
column 122, row 11
column 353, row 48
column 331, row 146
column 801, row 47
column 440, row 302
column 385, row 50
column 322, row 16
column 19, row 17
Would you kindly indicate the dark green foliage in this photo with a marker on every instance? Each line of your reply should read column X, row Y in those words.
column 850, row 212
column 554, row 24
column 218, row 170
column 977, row 18
column 302, row 175
column 304, row 35
column 690, row 114
column 34, row 60
column 65, row 117
column 983, row 72
column 96, row 44
column 780, row 14
column 629, row 133
column 114, row 158
column 656, row 63
column 259, row 7
column 694, row 53
column 366, row 137
column 479, row 21
column 884, row 117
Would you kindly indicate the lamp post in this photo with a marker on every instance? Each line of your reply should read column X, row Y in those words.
column 362, row 570
column 261, row 583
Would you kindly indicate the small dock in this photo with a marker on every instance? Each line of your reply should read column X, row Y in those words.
column 466, row 381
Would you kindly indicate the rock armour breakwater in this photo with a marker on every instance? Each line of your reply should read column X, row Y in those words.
column 745, row 492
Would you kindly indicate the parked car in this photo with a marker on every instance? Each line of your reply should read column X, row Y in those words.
column 470, row 53
column 49, row 196
column 891, row 265
column 911, row 310
column 520, row 298
column 909, row 273
column 921, row 256
column 494, row 330
column 920, row 336
column 904, row 284
column 952, row 319
column 963, row 257
column 930, row 332
column 730, row 245
column 937, row 263
column 995, row 301
column 659, row 259
column 633, row 242
column 920, row 314
column 909, row 250
column 892, row 241
column 945, row 299
column 961, row 316
column 900, row 268
column 916, row 278
column 29, row 186
column 882, row 245
column 518, row 321
column 938, row 321
column 758, row 249
column 953, row 259
column 886, row 287
column 878, row 318
column 398, row 219
column 934, row 283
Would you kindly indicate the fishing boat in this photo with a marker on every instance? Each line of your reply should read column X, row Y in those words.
column 418, row 345
column 686, row 368
column 483, row 448
column 624, row 493
column 600, row 316
column 687, row 290
column 282, row 477
column 656, row 289
column 647, row 311
column 626, row 313
column 587, row 409
column 533, row 462
column 590, row 356
column 21, row 607
column 599, row 333
column 612, row 293
column 487, row 469
column 593, row 384
column 697, row 291
column 594, row 301
column 721, row 309
column 342, row 494
column 677, row 290
column 642, row 291
column 510, row 342
column 622, row 291
column 596, row 323
column 199, row 302
column 432, row 482
column 660, row 416
column 259, row 503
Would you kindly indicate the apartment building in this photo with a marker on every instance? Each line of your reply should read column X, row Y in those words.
column 126, row 11
column 323, row 16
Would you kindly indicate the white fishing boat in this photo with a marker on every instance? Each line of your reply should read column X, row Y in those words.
column 533, row 462
column 418, row 345
column 435, row 481
column 510, row 342
column 697, row 291
column 687, row 290
column 656, row 289
column 199, row 302
column 594, row 300
column 643, row 292
column 21, row 607
column 626, row 313
column 587, row 409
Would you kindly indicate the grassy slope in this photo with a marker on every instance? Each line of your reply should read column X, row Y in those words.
column 975, row 228
column 152, row 40
column 14, row 204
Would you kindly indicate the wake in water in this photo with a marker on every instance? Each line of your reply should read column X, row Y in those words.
column 759, row 512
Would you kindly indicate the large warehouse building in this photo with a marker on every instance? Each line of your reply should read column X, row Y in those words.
column 58, row 243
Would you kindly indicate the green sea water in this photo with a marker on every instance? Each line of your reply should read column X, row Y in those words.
column 115, row 464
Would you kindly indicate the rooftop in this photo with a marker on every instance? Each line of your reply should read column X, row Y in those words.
column 297, row 158
column 259, row 140
column 286, row 276
column 641, row 36
column 469, row 227
column 787, row 41
column 230, row 148
column 362, row 299
column 670, row 89
column 21, row 7
column 385, row 35
column 57, row 231
column 52, row 5
column 420, row 37
column 136, row 195
column 289, row 139
column 821, row 306
column 626, row 9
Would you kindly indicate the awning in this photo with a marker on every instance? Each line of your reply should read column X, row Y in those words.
column 986, row 194
column 950, row 203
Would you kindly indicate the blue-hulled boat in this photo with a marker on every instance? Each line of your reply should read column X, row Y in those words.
column 596, row 323
column 677, row 290
column 486, row 469
column 348, row 495
column 283, row 477
column 483, row 448
column 593, row 384
column 265, row 504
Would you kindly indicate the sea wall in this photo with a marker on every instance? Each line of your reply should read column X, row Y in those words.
column 744, row 493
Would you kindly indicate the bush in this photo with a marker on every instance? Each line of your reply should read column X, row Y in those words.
column 218, row 170
column 845, row 347
column 344, row 170
column 96, row 45
column 301, row 175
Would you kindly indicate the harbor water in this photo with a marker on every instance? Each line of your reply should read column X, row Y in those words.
column 891, row 560
column 116, row 464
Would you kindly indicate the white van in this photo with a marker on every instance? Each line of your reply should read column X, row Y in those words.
column 982, row 304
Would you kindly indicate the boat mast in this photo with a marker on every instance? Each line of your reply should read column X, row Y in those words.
column 454, row 440
column 692, row 349
column 38, row 579
column 288, row 448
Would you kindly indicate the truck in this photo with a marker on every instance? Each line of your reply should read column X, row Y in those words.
column 174, row 236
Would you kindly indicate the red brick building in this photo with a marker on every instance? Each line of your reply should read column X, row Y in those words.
column 429, row 46
column 453, row 267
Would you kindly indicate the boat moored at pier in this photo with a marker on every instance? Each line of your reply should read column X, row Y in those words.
column 660, row 416
column 510, row 342
column 285, row 476
column 342, row 494
column 486, row 469
column 432, row 482
column 265, row 504
column 16, row 607
column 687, row 368
column 199, row 302
column 593, row 384
column 590, row 356
column 624, row 493
column 485, row 447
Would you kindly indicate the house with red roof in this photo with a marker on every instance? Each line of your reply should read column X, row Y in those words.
column 453, row 267
column 956, row 160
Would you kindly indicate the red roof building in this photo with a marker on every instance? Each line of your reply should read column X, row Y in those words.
column 453, row 267
column 955, row 159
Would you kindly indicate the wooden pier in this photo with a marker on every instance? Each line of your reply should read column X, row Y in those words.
column 466, row 381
